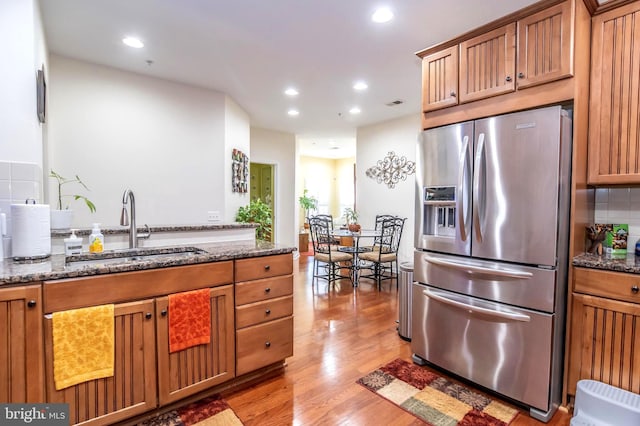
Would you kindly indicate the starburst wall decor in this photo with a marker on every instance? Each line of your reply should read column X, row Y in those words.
column 391, row 169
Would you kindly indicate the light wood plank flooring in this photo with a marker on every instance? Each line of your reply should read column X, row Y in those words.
column 339, row 336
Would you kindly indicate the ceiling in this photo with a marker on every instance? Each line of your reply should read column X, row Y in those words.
column 253, row 50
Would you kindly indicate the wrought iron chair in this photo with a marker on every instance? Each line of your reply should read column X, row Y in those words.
column 381, row 260
column 325, row 254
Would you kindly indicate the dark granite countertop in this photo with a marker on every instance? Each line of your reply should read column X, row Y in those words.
column 55, row 267
column 112, row 230
column 629, row 263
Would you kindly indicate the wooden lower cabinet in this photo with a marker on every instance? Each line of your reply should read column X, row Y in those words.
column 132, row 389
column 194, row 369
column 21, row 352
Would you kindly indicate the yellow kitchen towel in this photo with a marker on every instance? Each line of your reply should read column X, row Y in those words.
column 83, row 345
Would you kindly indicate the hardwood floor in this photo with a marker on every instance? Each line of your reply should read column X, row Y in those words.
column 339, row 336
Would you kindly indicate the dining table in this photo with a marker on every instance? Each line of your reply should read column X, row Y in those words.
column 356, row 248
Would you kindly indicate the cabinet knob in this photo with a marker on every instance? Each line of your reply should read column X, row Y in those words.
column 452, row 94
column 31, row 303
column 635, row 289
column 267, row 290
column 268, row 312
column 163, row 312
column 267, row 344
column 267, row 267
column 508, row 78
column 520, row 75
column 148, row 315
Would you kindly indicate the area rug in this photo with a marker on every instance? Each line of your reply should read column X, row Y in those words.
column 435, row 399
column 208, row 411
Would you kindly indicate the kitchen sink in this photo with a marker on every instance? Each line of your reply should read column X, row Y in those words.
column 132, row 255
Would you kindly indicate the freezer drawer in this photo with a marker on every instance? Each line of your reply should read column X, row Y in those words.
column 500, row 347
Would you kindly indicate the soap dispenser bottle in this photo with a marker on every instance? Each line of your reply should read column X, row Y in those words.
column 73, row 244
column 96, row 240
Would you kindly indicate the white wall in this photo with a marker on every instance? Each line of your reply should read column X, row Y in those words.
column 23, row 51
column 372, row 198
column 164, row 140
column 236, row 136
column 278, row 148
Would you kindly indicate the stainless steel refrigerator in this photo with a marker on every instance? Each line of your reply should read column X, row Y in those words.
column 491, row 259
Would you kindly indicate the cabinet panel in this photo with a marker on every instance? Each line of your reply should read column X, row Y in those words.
column 254, row 291
column 264, row 344
column 615, row 285
column 614, row 137
column 132, row 389
column 440, row 79
column 545, row 45
column 263, row 267
column 259, row 312
column 199, row 367
column 605, row 342
column 21, row 352
column 487, row 64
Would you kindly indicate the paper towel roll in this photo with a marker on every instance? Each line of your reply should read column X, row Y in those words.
column 31, row 231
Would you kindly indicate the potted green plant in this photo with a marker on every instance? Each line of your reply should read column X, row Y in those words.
column 257, row 212
column 351, row 216
column 307, row 203
column 61, row 216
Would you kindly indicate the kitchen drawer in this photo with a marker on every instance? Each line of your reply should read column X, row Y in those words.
column 263, row 267
column 258, row 290
column 614, row 285
column 263, row 344
column 259, row 312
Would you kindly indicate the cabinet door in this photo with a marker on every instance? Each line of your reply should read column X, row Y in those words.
column 605, row 343
column 21, row 353
column 199, row 367
column 440, row 79
column 132, row 389
column 487, row 64
column 614, row 137
column 545, row 45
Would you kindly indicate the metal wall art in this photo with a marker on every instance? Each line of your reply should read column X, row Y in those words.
column 391, row 169
column 240, row 171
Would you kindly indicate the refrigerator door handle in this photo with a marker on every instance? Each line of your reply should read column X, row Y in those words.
column 508, row 273
column 460, row 201
column 512, row 316
column 476, row 186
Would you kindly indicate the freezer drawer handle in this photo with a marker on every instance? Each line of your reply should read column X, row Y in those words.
column 471, row 309
column 509, row 273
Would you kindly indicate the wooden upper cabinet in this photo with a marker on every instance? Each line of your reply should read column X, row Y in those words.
column 545, row 45
column 440, row 79
column 487, row 64
column 614, row 136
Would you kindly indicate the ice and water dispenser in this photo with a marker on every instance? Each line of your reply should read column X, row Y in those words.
column 439, row 211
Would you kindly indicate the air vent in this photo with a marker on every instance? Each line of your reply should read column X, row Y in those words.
column 394, row 103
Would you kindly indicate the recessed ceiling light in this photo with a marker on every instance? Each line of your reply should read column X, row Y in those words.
column 354, row 110
column 133, row 42
column 293, row 112
column 291, row 92
column 382, row 15
column 360, row 85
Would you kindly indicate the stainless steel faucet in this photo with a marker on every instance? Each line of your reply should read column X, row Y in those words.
column 125, row 221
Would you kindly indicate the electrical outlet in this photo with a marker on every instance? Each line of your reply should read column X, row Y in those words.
column 213, row 216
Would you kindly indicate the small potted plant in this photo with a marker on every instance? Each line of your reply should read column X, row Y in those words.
column 257, row 212
column 61, row 217
column 307, row 203
column 351, row 217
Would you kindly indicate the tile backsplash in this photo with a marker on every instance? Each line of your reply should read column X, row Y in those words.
column 620, row 205
column 18, row 181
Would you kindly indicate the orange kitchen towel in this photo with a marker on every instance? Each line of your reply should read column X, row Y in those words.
column 189, row 319
column 83, row 345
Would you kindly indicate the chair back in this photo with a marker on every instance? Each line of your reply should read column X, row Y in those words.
column 320, row 234
column 390, row 235
column 381, row 218
column 328, row 218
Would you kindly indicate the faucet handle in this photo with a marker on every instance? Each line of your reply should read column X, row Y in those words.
column 147, row 233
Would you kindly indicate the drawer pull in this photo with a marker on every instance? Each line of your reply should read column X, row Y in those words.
column 267, row 290
column 31, row 303
column 268, row 312
column 635, row 289
column 520, row 75
column 267, row 267
column 163, row 312
column 267, row 344
column 508, row 78
column 452, row 94
column 148, row 315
